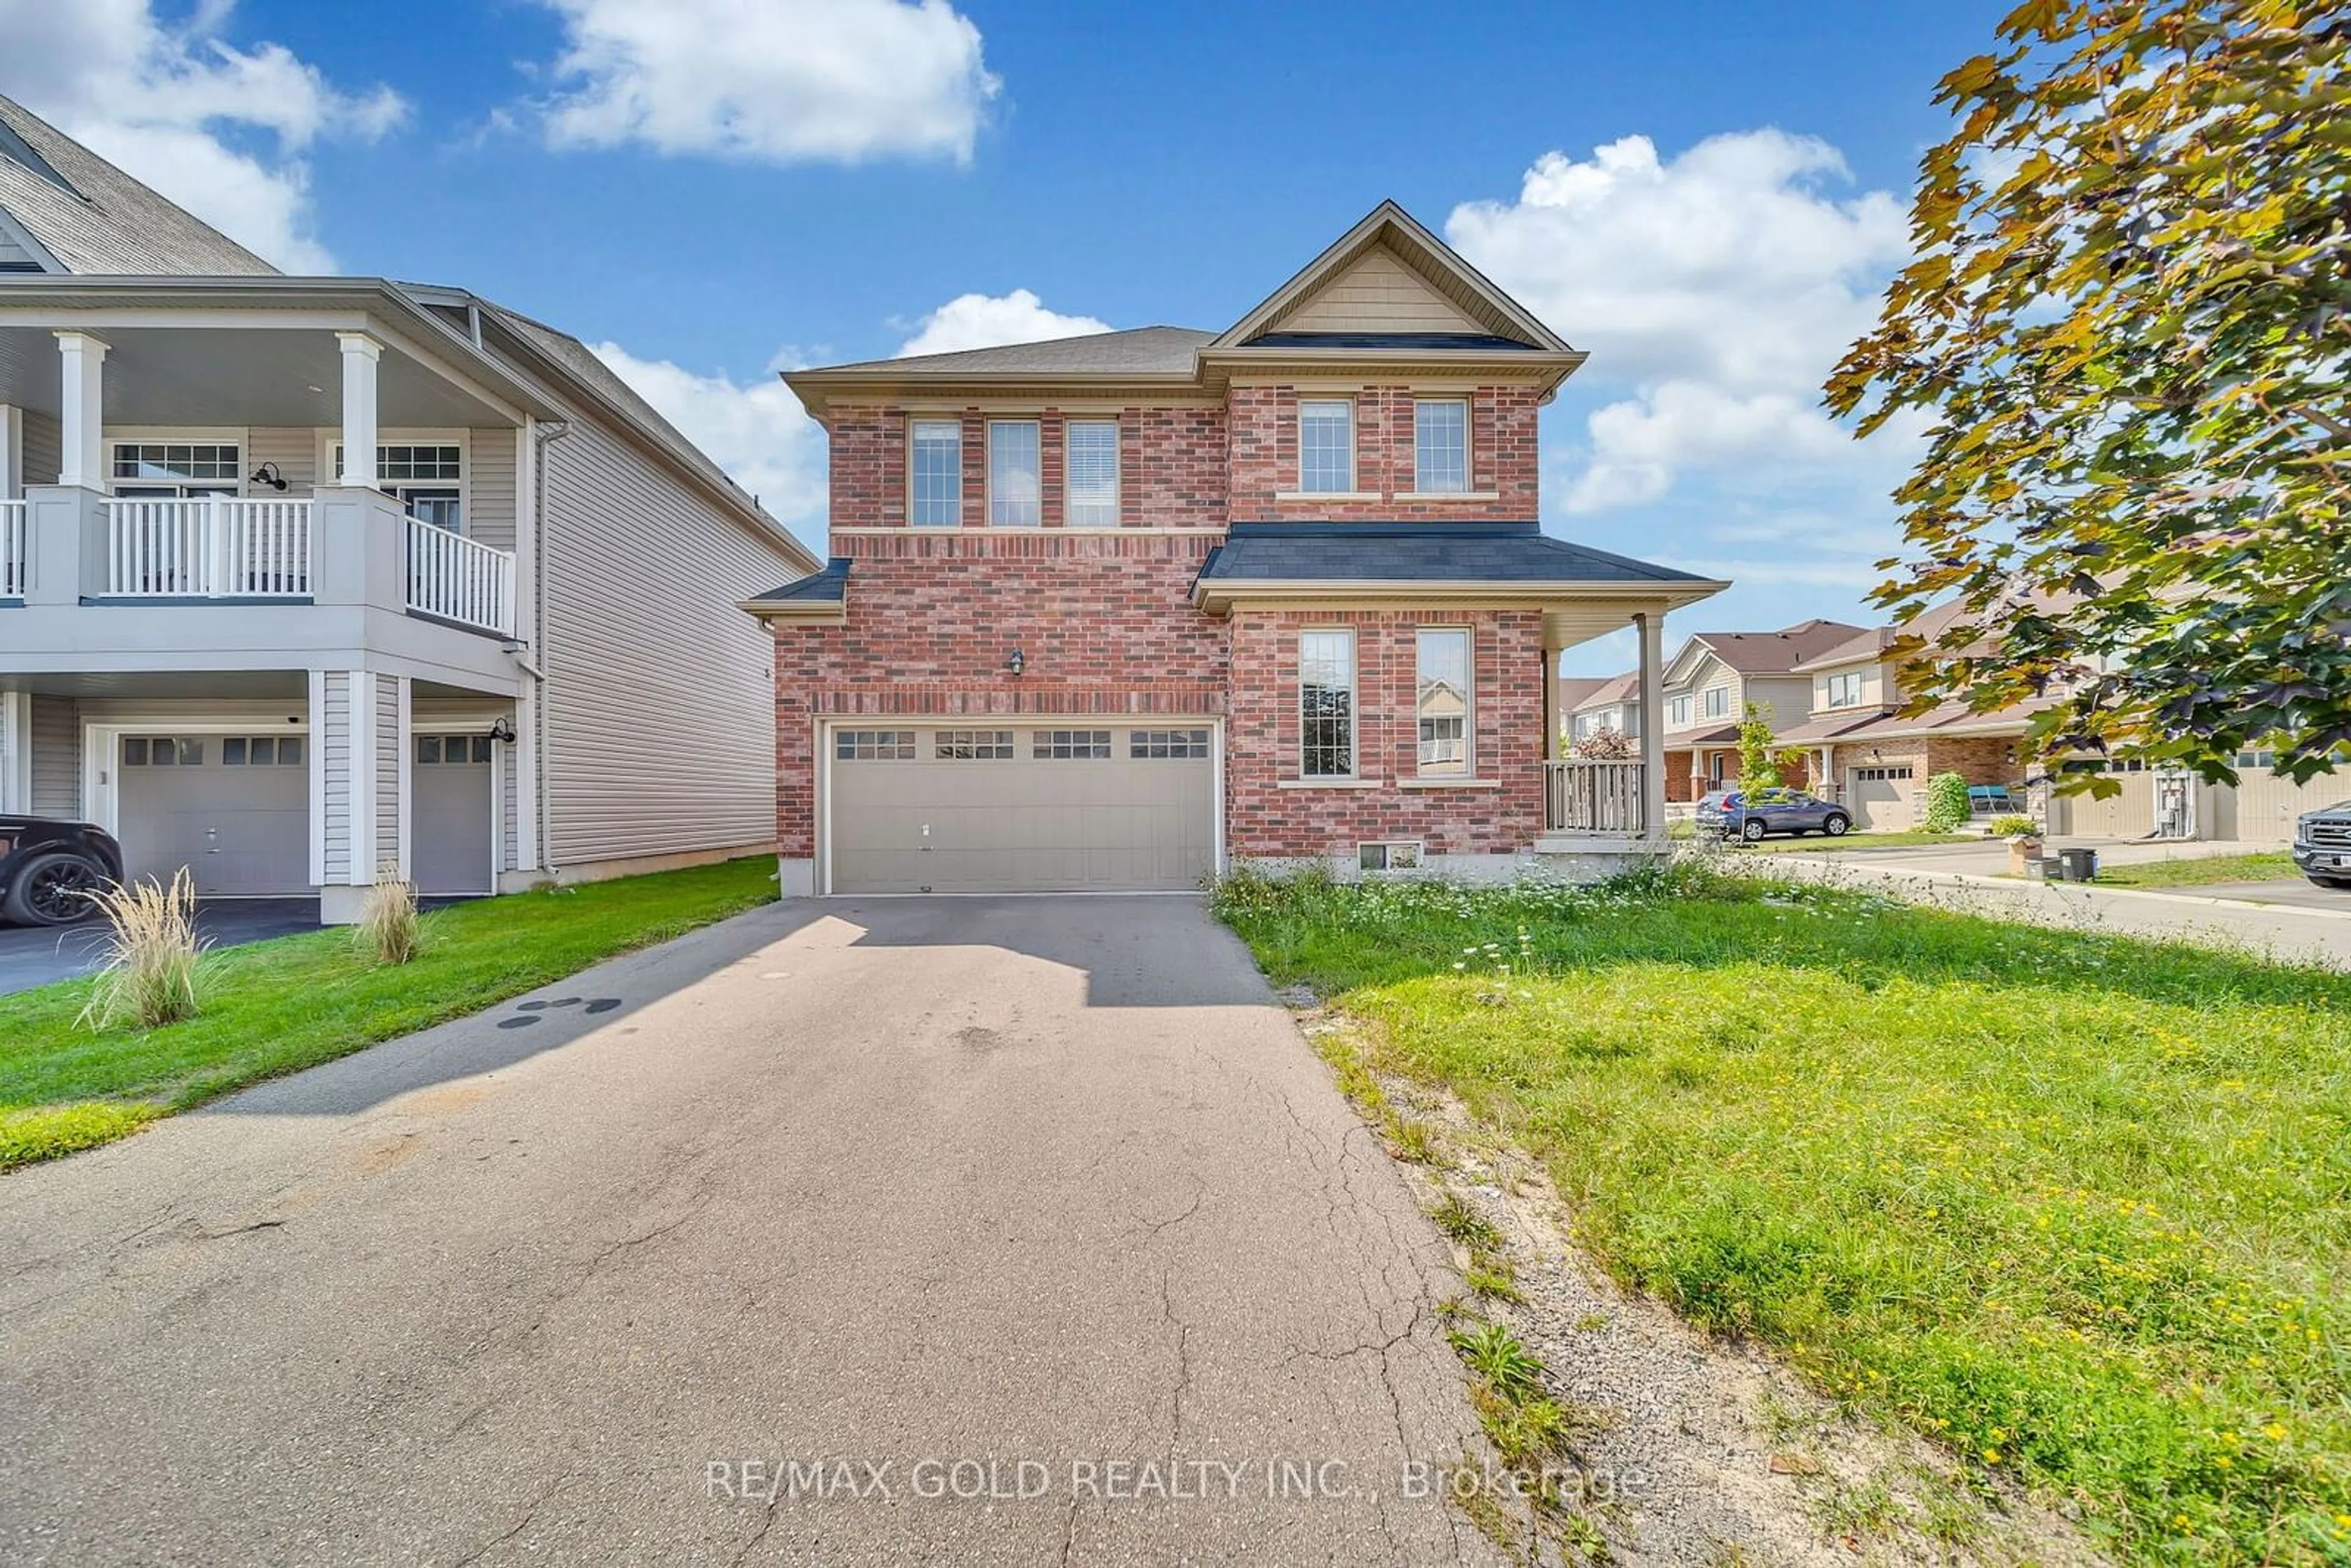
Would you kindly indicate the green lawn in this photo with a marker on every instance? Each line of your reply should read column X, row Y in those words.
column 274, row 1007
column 2200, row 871
column 1867, row 841
column 2078, row 1206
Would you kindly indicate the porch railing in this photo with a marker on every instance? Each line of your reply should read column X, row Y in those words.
column 207, row 547
column 1593, row 797
column 12, row 549
column 457, row 579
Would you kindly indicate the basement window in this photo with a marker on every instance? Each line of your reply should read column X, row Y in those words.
column 1389, row 854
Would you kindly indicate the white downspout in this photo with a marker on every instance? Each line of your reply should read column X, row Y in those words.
column 545, row 436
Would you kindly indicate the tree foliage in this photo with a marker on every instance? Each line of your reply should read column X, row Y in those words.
column 1761, row 764
column 2127, row 325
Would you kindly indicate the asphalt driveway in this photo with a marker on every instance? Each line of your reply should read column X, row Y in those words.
column 1042, row 1202
column 37, row 955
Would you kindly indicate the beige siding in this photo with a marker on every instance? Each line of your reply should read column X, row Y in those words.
column 57, row 757
column 295, row 450
column 2127, row 815
column 2262, row 809
column 490, row 488
column 44, row 449
column 659, row 708
column 332, row 733
column 509, row 810
column 1378, row 293
column 1873, row 687
column 1786, row 701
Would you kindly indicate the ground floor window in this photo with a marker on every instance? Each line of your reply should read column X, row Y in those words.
column 1326, row 702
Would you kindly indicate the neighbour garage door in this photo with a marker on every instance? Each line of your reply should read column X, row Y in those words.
column 449, row 826
column 1092, row 809
column 1882, row 799
column 233, row 809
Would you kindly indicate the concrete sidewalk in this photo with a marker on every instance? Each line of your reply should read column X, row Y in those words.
column 885, row 1187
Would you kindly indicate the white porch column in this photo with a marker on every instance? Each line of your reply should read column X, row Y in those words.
column 359, row 784
column 1651, row 626
column 361, row 353
column 82, row 411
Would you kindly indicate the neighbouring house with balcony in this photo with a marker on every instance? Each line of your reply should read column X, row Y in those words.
column 302, row 577
column 1115, row 611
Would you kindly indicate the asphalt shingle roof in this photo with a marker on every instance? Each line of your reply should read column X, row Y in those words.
column 105, row 223
column 829, row 586
column 1139, row 350
column 1418, row 552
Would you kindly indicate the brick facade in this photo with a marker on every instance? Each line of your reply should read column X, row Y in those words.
column 1263, row 420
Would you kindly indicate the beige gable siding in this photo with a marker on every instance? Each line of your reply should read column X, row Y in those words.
column 490, row 488
column 1874, row 692
column 44, row 449
column 659, row 702
column 56, row 757
column 1378, row 293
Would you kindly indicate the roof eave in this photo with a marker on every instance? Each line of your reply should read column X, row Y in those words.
column 1217, row 595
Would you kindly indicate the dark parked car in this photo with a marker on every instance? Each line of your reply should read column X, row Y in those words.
column 1735, row 814
column 2321, row 845
column 48, row 869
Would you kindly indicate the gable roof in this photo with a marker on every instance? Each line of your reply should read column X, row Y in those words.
column 68, row 210
column 1481, row 306
column 1775, row 653
column 1469, row 560
column 1138, row 350
column 1624, row 689
column 1574, row 691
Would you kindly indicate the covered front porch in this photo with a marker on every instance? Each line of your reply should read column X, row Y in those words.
column 262, row 462
column 1601, row 812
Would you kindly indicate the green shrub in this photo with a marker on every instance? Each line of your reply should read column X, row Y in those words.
column 2014, row 826
column 1946, row 804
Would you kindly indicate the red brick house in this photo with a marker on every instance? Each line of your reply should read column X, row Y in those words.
column 1115, row 611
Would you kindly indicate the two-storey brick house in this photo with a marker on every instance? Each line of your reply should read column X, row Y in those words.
column 1114, row 611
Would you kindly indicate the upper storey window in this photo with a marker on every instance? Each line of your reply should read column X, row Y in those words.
column 1092, row 472
column 1326, row 447
column 1441, row 446
column 1015, row 476
column 937, row 491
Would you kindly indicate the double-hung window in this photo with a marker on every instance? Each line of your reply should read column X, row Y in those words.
column 1441, row 446
column 1326, row 704
column 1678, row 713
column 1090, row 469
column 1441, row 701
column 1326, row 447
column 1844, row 691
column 1716, row 703
column 1015, row 475
column 935, row 490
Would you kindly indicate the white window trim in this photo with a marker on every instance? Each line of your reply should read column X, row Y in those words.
column 1468, row 449
column 179, row 434
column 988, row 499
column 1829, row 690
column 914, row 421
column 1706, row 699
column 1468, row 768
column 1354, row 457
column 1354, row 775
column 1117, row 479
column 330, row 442
column 1679, row 710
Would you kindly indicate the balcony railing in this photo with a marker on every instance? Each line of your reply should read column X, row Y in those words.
column 12, row 549
column 1592, row 797
column 207, row 547
column 455, row 579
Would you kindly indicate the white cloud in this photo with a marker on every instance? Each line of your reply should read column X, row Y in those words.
column 179, row 107
column 777, row 81
column 1718, row 287
column 757, row 433
column 986, row 321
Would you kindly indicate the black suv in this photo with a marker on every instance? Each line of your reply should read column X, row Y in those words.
column 48, row 869
column 2321, row 845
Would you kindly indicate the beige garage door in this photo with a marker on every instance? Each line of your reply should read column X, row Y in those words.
column 1882, row 799
column 1101, row 807
column 234, row 809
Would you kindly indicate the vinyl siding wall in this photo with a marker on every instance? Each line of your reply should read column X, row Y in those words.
column 490, row 488
column 330, row 732
column 56, row 757
column 390, row 760
column 659, row 702
column 44, row 449
column 295, row 450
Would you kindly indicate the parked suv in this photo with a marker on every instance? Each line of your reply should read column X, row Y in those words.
column 2321, row 845
column 1751, row 815
column 48, row 869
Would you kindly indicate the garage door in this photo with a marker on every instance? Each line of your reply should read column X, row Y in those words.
column 449, row 816
column 1884, row 799
column 233, row 809
column 1092, row 809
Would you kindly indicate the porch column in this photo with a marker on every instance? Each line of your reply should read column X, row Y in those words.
column 1651, row 626
column 81, row 411
column 361, row 353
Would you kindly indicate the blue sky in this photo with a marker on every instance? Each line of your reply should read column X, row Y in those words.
column 708, row 189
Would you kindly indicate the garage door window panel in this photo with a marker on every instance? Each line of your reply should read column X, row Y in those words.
column 874, row 746
column 1168, row 745
column 973, row 745
column 1071, row 745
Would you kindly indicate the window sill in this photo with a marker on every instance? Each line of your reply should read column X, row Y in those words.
column 1328, row 783
column 1328, row 495
column 1447, row 496
column 1448, row 783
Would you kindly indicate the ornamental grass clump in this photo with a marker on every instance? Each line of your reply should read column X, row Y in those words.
column 151, row 952
column 388, row 928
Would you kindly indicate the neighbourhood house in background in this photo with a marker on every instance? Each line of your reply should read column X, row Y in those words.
column 302, row 577
column 1115, row 612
